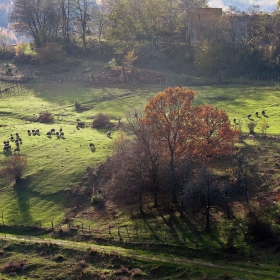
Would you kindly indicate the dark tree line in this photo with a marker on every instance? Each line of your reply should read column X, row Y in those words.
column 228, row 44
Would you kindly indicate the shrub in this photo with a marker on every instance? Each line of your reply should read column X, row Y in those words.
column 101, row 120
column 77, row 105
column 50, row 53
column 112, row 63
column 14, row 168
column 129, row 59
column 136, row 272
column 21, row 48
column 98, row 201
column 13, row 267
column 251, row 126
column 122, row 271
column 45, row 117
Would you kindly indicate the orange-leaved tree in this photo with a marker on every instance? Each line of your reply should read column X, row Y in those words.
column 184, row 131
column 216, row 137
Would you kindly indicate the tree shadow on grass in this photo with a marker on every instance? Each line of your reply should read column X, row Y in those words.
column 23, row 194
column 149, row 227
column 23, row 197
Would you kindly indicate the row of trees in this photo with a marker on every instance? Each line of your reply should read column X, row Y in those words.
column 229, row 44
column 51, row 20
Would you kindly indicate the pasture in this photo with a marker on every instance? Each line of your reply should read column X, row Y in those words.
column 56, row 165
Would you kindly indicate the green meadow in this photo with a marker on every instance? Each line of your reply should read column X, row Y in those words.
column 55, row 164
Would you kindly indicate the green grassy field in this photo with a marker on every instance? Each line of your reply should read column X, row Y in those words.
column 57, row 164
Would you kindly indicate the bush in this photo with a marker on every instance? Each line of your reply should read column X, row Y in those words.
column 13, row 267
column 77, row 105
column 52, row 53
column 251, row 126
column 21, row 48
column 100, row 121
column 14, row 168
column 45, row 117
column 98, row 201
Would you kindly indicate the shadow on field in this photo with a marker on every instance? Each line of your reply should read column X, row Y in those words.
column 24, row 195
column 150, row 228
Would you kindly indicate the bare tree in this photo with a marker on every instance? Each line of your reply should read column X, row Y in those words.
column 203, row 191
column 83, row 16
column 14, row 168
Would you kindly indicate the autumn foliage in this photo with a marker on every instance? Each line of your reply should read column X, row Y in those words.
column 172, row 137
column 183, row 129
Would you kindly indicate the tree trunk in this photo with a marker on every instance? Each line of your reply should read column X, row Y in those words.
column 228, row 211
column 182, row 206
column 141, row 203
column 207, row 218
column 155, row 200
column 208, row 211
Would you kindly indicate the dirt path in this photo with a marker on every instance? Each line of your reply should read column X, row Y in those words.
column 248, row 270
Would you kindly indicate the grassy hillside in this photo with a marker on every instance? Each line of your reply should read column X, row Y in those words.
column 55, row 191
column 56, row 164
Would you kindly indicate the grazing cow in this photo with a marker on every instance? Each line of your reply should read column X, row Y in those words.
column 52, row 130
column 49, row 133
column 28, row 131
column 19, row 139
column 263, row 112
column 57, row 134
column 109, row 134
column 81, row 124
column 62, row 134
column 91, row 145
column 249, row 116
column 37, row 131
column 60, row 130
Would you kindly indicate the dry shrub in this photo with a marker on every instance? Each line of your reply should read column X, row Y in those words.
column 14, row 168
column 122, row 271
column 13, row 267
column 51, row 53
column 100, row 121
column 136, row 272
column 45, row 117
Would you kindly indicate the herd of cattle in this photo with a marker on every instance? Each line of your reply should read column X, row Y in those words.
column 17, row 140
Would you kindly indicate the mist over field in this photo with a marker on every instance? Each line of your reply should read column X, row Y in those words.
column 245, row 5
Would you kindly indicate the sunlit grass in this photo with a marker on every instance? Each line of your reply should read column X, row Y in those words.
column 56, row 164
